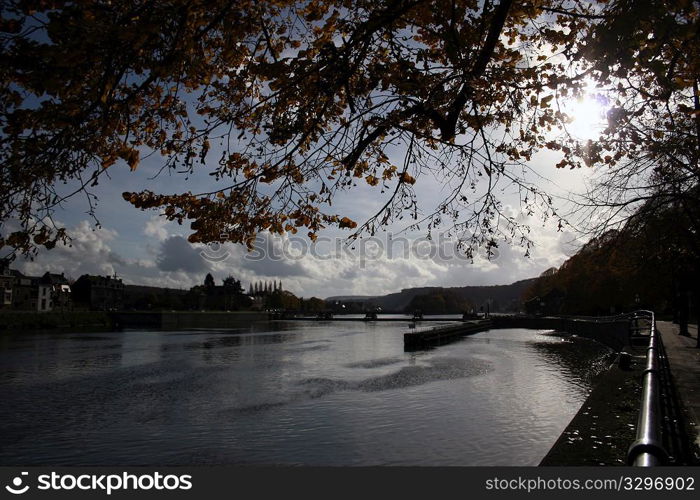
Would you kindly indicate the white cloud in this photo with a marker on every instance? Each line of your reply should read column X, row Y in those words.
column 326, row 269
column 155, row 227
column 90, row 252
column 87, row 252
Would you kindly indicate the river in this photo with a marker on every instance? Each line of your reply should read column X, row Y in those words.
column 289, row 393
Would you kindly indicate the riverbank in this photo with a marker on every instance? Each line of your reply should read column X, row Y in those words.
column 21, row 321
column 605, row 426
column 177, row 320
column 28, row 321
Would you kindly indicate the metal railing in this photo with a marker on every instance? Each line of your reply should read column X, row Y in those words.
column 648, row 450
column 640, row 313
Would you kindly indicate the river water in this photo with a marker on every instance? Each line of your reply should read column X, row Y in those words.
column 289, row 393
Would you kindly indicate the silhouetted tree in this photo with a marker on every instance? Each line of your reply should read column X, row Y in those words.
column 209, row 281
column 651, row 258
column 313, row 97
column 233, row 285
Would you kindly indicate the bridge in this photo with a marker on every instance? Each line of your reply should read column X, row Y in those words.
column 370, row 316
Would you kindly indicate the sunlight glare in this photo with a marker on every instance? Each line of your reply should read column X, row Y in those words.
column 589, row 116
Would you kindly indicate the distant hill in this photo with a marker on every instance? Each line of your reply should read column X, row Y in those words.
column 351, row 298
column 503, row 298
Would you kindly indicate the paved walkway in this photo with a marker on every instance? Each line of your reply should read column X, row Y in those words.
column 684, row 359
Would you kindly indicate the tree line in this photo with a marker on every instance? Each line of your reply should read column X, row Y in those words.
column 652, row 262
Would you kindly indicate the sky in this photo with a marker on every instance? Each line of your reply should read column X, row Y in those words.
column 141, row 247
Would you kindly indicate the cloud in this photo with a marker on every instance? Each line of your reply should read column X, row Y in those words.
column 177, row 254
column 273, row 256
column 375, row 267
column 89, row 251
column 155, row 227
column 329, row 267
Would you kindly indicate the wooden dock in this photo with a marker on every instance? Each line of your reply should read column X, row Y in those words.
column 443, row 334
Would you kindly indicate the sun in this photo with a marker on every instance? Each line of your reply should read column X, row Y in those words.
column 589, row 116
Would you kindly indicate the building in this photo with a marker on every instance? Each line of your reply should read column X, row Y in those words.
column 211, row 297
column 98, row 293
column 31, row 293
column 60, row 292
column 7, row 281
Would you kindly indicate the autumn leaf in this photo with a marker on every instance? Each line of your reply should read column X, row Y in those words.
column 372, row 180
column 406, row 178
column 131, row 156
column 346, row 222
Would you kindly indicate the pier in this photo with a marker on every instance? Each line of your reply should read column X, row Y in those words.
column 443, row 334
column 404, row 319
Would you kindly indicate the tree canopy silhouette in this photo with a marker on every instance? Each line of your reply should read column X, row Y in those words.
column 652, row 262
column 648, row 52
column 288, row 103
column 209, row 281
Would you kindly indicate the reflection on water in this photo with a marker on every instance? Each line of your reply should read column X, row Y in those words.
column 313, row 393
column 580, row 361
